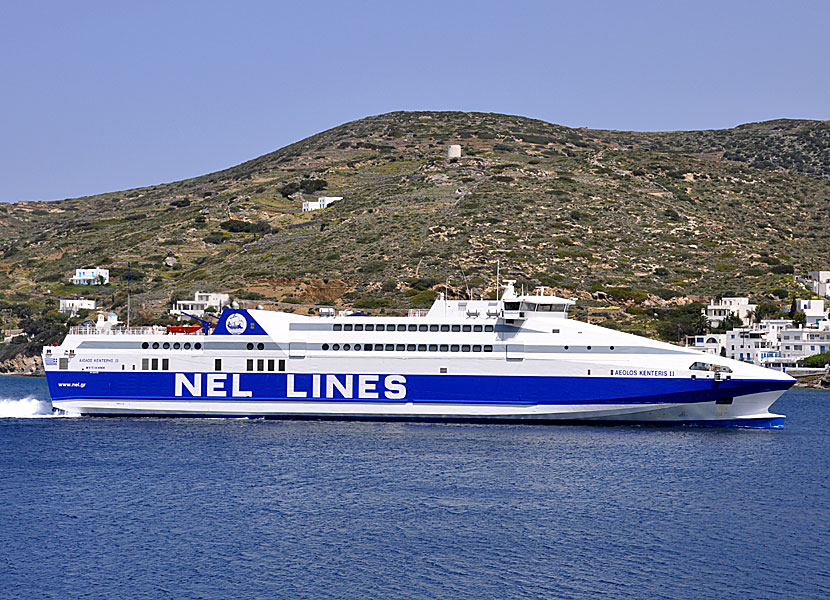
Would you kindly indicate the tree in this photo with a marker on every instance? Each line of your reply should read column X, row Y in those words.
column 730, row 322
column 799, row 319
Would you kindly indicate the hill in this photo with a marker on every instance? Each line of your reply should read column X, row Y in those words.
column 610, row 216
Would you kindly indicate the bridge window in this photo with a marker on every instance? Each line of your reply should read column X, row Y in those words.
column 165, row 364
column 155, row 364
column 282, row 365
column 250, row 364
column 145, row 364
column 270, row 364
column 260, row 364
column 217, row 364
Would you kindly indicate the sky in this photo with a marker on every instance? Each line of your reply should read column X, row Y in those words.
column 106, row 96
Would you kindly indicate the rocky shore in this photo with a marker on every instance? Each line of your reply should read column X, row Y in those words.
column 814, row 382
column 22, row 365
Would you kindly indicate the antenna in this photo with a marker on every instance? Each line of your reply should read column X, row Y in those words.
column 128, row 295
column 498, row 283
column 467, row 285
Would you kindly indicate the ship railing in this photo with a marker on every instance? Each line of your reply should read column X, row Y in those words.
column 122, row 331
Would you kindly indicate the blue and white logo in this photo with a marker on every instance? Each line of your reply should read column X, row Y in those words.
column 236, row 324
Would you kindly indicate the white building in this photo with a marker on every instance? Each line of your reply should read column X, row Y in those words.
column 454, row 151
column 320, row 203
column 94, row 276
column 819, row 283
column 813, row 311
column 777, row 344
column 72, row 306
column 711, row 343
column 199, row 305
column 717, row 312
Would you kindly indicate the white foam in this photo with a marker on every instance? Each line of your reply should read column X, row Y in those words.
column 29, row 408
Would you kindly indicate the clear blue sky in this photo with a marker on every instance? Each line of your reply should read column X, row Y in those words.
column 103, row 96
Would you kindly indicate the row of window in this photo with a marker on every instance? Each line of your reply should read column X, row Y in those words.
column 176, row 346
column 412, row 327
column 262, row 363
column 152, row 364
column 412, row 347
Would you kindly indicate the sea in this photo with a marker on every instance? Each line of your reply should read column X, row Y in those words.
column 238, row 508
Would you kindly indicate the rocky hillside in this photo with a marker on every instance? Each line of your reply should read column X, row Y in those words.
column 615, row 217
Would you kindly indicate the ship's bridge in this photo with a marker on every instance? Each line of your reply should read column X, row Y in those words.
column 520, row 307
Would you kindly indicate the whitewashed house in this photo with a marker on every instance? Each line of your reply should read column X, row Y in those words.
column 320, row 203
column 819, row 283
column 199, row 305
column 72, row 306
column 94, row 276
column 813, row 311
column 716, row 312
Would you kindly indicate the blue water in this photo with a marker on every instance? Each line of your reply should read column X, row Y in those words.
column 213, row 508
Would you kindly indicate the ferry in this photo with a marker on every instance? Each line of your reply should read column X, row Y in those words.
column 515, row 359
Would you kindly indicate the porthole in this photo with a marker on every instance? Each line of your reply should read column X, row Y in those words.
column 155, row 345
column 176, row 346
column 612, row 347
column 347, row 346
column 250, row 346
column 325, row 346
column 357, row 346
column 187, row 345
column 145, row 345
column 260, row 346
column 197, row 346
column 166, row 345
column 588, row 347
column 566, row 347
column 336, row 347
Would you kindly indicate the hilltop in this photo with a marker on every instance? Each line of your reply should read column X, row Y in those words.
column 614, row 217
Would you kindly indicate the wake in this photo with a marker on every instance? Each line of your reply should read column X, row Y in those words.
column 29, row 408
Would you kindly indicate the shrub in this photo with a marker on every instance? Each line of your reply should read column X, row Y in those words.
column 309, row 186
column 372, row 303
column 783, row 269
column 216, row 237
column 180, row 203
column 237, row 226
column 816, row 361
column 424, row 298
